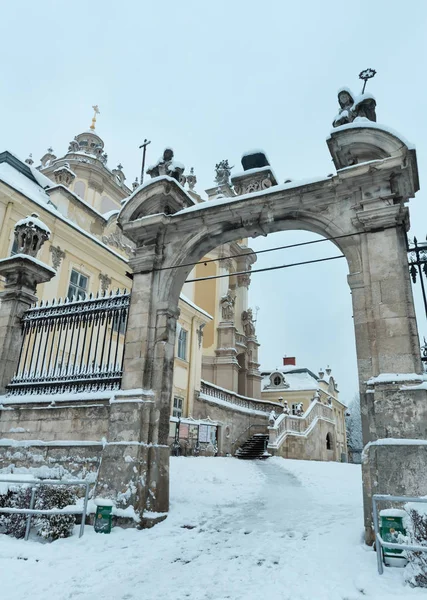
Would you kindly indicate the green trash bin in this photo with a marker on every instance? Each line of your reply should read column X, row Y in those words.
column 390, row 527
column 103, row 515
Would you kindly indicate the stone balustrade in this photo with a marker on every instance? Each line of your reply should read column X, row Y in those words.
column 211, row 392
column 291, row 424
column 240, row 339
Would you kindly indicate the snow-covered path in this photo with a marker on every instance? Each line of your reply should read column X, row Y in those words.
column 237, row 530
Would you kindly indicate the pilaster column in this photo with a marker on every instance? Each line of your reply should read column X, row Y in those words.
column 22, row 273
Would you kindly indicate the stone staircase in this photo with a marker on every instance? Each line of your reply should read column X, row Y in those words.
column 254, row 447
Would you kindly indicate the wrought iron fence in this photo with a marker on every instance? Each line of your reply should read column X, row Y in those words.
column 72, row 346
column 417, row 258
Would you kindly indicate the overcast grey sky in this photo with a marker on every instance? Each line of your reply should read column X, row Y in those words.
column 212, row 80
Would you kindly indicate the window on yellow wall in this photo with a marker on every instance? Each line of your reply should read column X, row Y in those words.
column 182, row 344
column 78, row 285
column 177, row 406
column 14, row 249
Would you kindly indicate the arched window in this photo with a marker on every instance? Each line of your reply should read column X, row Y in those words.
column 80, row 189
column 328, row 441
column 277, row 380
column 107, row 204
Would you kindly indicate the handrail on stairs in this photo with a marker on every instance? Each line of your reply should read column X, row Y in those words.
column 233, row 449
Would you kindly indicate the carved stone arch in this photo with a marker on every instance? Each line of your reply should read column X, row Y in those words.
column 365, row 202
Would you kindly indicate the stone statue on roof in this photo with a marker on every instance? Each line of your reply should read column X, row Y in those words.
column 222, row 172
column 166, row 165
column 352, row 107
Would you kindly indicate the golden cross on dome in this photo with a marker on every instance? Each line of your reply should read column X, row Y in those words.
column 96, row 112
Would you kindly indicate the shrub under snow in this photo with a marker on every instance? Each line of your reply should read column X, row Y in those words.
column 51, row 527
column 417, row 571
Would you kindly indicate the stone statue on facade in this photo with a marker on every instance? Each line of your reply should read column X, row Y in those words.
column 248, row 323
column 272, row 418
column 316, row 397
column 227, row 306
column 352, row 107
column 286, row 409
column 166, row 165
column 223, row 172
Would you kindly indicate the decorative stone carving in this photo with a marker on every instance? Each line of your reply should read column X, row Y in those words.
column 286, row 409
column 248, row 323
column 57, row 256
column 255, row 182
column 226, row 263
column 64, row 175
column 191, row 179
column 227, row 306
column 48, row 158
column 73, row 146
column 352, row 107
column 29, row 160
column 200, row 334
column 223, row 172
column 117, row 240
column 118, row 174
column 135, row 184
column 105, row 281
column 244, row 280
column 30, row 235
column 166, row 165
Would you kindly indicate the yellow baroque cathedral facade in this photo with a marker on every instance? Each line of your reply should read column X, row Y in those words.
column 79, row 197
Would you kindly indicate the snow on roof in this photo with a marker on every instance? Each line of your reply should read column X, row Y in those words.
column 160, row 178
column 295, row 380
column 21, row 183
column 32, row 259
column 110, row 213
column 234, row 199
column 362, row 122
column 254, row 170
column 64, row 168
column 254, row 151
column 41, row 179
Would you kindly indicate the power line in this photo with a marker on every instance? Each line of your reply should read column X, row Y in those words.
column 255, row 252
column 297, row 264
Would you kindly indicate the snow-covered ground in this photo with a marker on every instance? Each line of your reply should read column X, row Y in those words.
column 278, row 529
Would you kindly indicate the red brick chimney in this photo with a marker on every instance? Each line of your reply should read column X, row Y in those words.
column 289, row 360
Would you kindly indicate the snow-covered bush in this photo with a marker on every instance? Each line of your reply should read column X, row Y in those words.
column 50, row 527
column 53, row 527
column 417, row 534
column 14, row 524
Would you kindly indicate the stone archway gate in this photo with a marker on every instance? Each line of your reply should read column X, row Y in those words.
column 363, row 207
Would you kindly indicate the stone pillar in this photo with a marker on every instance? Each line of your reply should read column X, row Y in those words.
column 389, row 364
column 226, row 366
column 22, row 273
column 253, row 376
column 140, row 411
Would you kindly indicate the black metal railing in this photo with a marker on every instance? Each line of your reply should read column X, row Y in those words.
column 417, row 258
column 72, row 346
